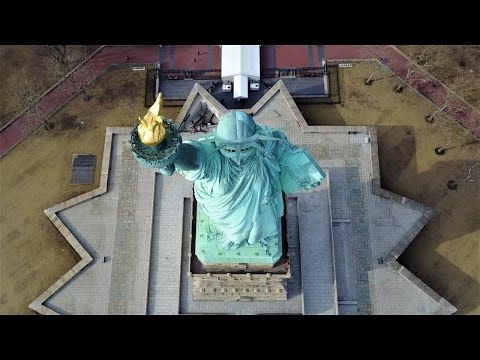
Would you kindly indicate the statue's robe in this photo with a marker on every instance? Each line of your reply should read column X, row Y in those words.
column 245, row 201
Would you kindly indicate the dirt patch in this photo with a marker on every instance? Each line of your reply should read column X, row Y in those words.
column 359, row 97
column 111, row 92
column 69, row 122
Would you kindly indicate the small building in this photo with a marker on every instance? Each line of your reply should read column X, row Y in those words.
column 240, row 65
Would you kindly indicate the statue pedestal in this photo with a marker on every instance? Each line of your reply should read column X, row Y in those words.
column 246, row 256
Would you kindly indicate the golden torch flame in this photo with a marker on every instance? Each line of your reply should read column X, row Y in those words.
column 151, row 129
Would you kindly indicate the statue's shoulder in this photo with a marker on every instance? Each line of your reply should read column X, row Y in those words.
column 205, row 154
column 268, row 131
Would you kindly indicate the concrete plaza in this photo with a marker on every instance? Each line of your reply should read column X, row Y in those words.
column 133, row 233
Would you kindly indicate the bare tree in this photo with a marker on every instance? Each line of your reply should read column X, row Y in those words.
column 445, row 56
column 470, row 174
column 448, row 102
column 472, row 126
column 418, row 65
column 376, row 54
column 26, row 95
column 58, row 54
column 455, row 63
column 452, row 103
column 62, row 59
column 473, row 172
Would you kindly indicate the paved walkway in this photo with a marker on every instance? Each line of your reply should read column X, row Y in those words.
column 182, row 56
column 317, row 259
column 171, row 215
column 116, row 229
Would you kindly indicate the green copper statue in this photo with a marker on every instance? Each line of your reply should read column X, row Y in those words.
column 239, row 170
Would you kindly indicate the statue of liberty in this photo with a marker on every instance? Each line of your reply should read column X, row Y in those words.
column 239, row 171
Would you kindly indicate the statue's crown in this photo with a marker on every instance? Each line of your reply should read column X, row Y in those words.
column 235, row 127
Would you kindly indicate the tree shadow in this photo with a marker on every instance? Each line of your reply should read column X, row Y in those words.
column 396, row 150
column 440, row 274
column 450, row 231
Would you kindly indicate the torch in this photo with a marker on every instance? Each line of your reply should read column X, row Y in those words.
column 155, row 141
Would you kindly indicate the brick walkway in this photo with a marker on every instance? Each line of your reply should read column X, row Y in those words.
column 424, row 82
column 183, row 55
column 18, row 129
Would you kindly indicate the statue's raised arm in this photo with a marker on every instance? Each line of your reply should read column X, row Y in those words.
column 156, row 143
column 240, row 170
